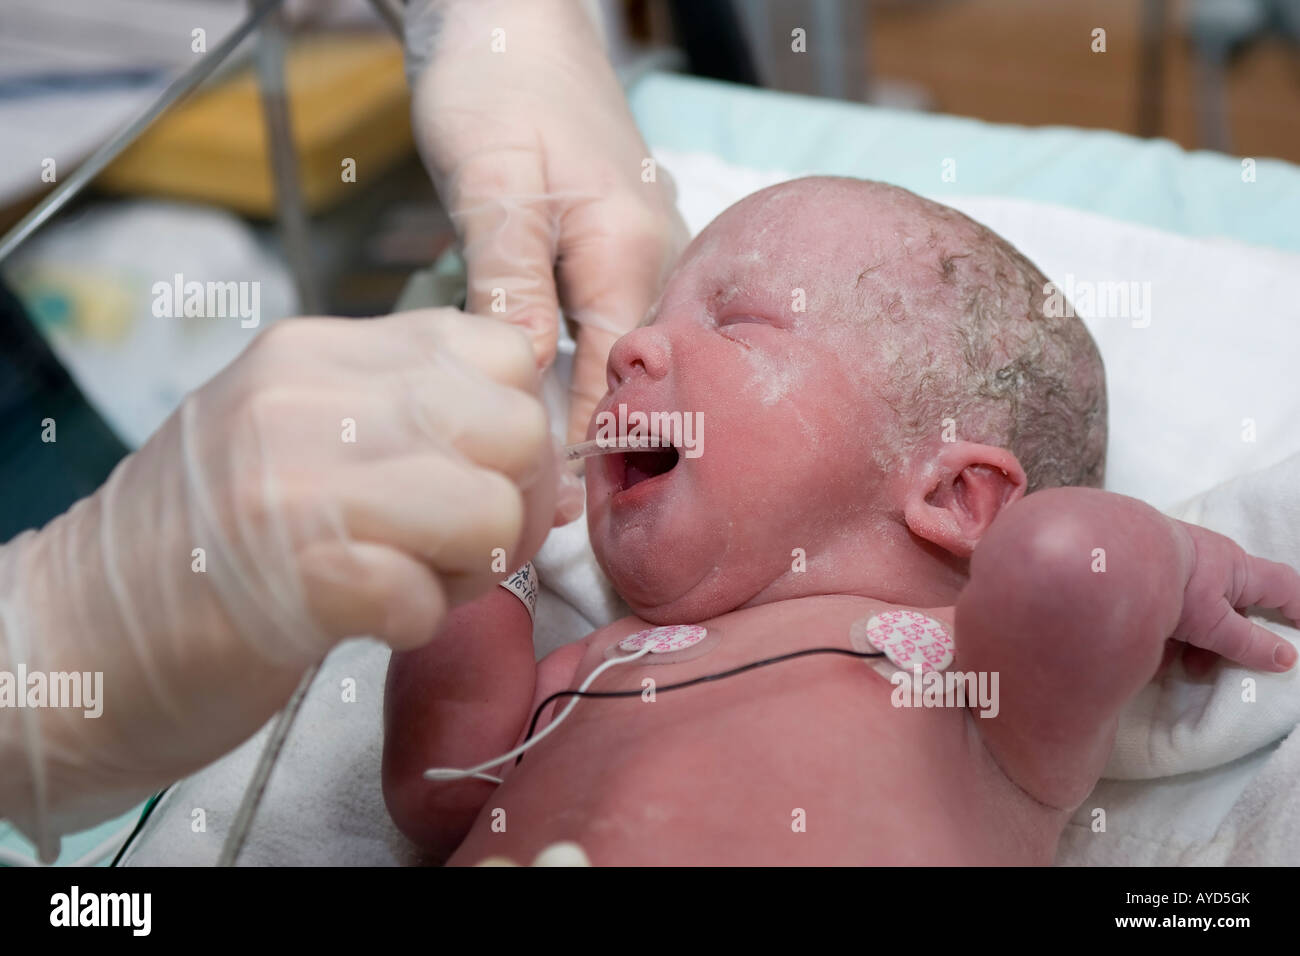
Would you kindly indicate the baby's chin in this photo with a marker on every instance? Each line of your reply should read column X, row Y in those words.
column 644, row 575
column 668, row 557
column 668, row 585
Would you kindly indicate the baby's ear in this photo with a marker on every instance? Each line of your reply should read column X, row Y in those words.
column 953, row 497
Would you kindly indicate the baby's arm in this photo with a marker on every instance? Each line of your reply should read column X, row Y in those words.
column 461, row 699
column 1072, row 643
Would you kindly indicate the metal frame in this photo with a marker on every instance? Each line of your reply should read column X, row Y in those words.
column 291, row 214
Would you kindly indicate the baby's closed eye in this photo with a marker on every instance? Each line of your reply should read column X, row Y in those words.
column 735, row 325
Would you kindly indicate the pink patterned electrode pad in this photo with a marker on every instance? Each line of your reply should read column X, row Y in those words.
column 911, row 639
column 663, row 640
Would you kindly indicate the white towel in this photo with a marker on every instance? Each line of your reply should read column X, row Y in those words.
column 1197, row 776
column 1177, row 725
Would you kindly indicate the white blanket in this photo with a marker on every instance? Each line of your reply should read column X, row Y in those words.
column 1197, row 776
column 1202, row 393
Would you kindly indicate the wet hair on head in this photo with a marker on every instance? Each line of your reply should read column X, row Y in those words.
column 1003, row 367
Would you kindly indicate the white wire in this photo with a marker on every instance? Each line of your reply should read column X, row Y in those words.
column 256, row 789
column 450, row 773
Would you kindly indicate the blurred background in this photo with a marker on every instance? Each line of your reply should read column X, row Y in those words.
column 248, row 177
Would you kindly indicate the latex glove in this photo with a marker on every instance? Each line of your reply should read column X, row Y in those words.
column 341, row 478
column 523, row 125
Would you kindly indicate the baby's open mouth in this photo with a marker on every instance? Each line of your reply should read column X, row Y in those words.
column 639, row 466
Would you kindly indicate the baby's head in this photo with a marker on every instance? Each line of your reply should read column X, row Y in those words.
column 876, row 377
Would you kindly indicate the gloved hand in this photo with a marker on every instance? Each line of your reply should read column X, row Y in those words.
column 526, row 132
column 339, row 478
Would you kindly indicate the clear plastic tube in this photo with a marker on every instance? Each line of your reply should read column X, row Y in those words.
column 597, row 446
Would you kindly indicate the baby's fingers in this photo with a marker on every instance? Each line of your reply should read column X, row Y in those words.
column 1246, row 643
column 1271, row 584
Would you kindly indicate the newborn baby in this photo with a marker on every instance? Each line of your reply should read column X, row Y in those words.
column 900, row 437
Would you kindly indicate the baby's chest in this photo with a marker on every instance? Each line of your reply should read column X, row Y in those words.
column 795, row 681
column 777, row 640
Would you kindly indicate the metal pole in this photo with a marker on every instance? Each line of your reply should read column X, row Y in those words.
column 92, row 167
column 1151, row 70
column 291, row 214
column 391, row 13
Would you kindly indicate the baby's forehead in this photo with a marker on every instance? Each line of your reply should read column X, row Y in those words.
column 833, row 229
column 846, row 239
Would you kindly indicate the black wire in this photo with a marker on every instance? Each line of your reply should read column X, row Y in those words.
column 753, row 665
column 144, row 817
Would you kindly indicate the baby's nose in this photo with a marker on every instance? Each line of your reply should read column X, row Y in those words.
column 642, row 351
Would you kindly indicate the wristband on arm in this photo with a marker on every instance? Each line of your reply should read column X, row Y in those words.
column 523, row 585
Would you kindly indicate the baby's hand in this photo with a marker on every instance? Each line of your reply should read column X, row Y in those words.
column 1224, row 581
